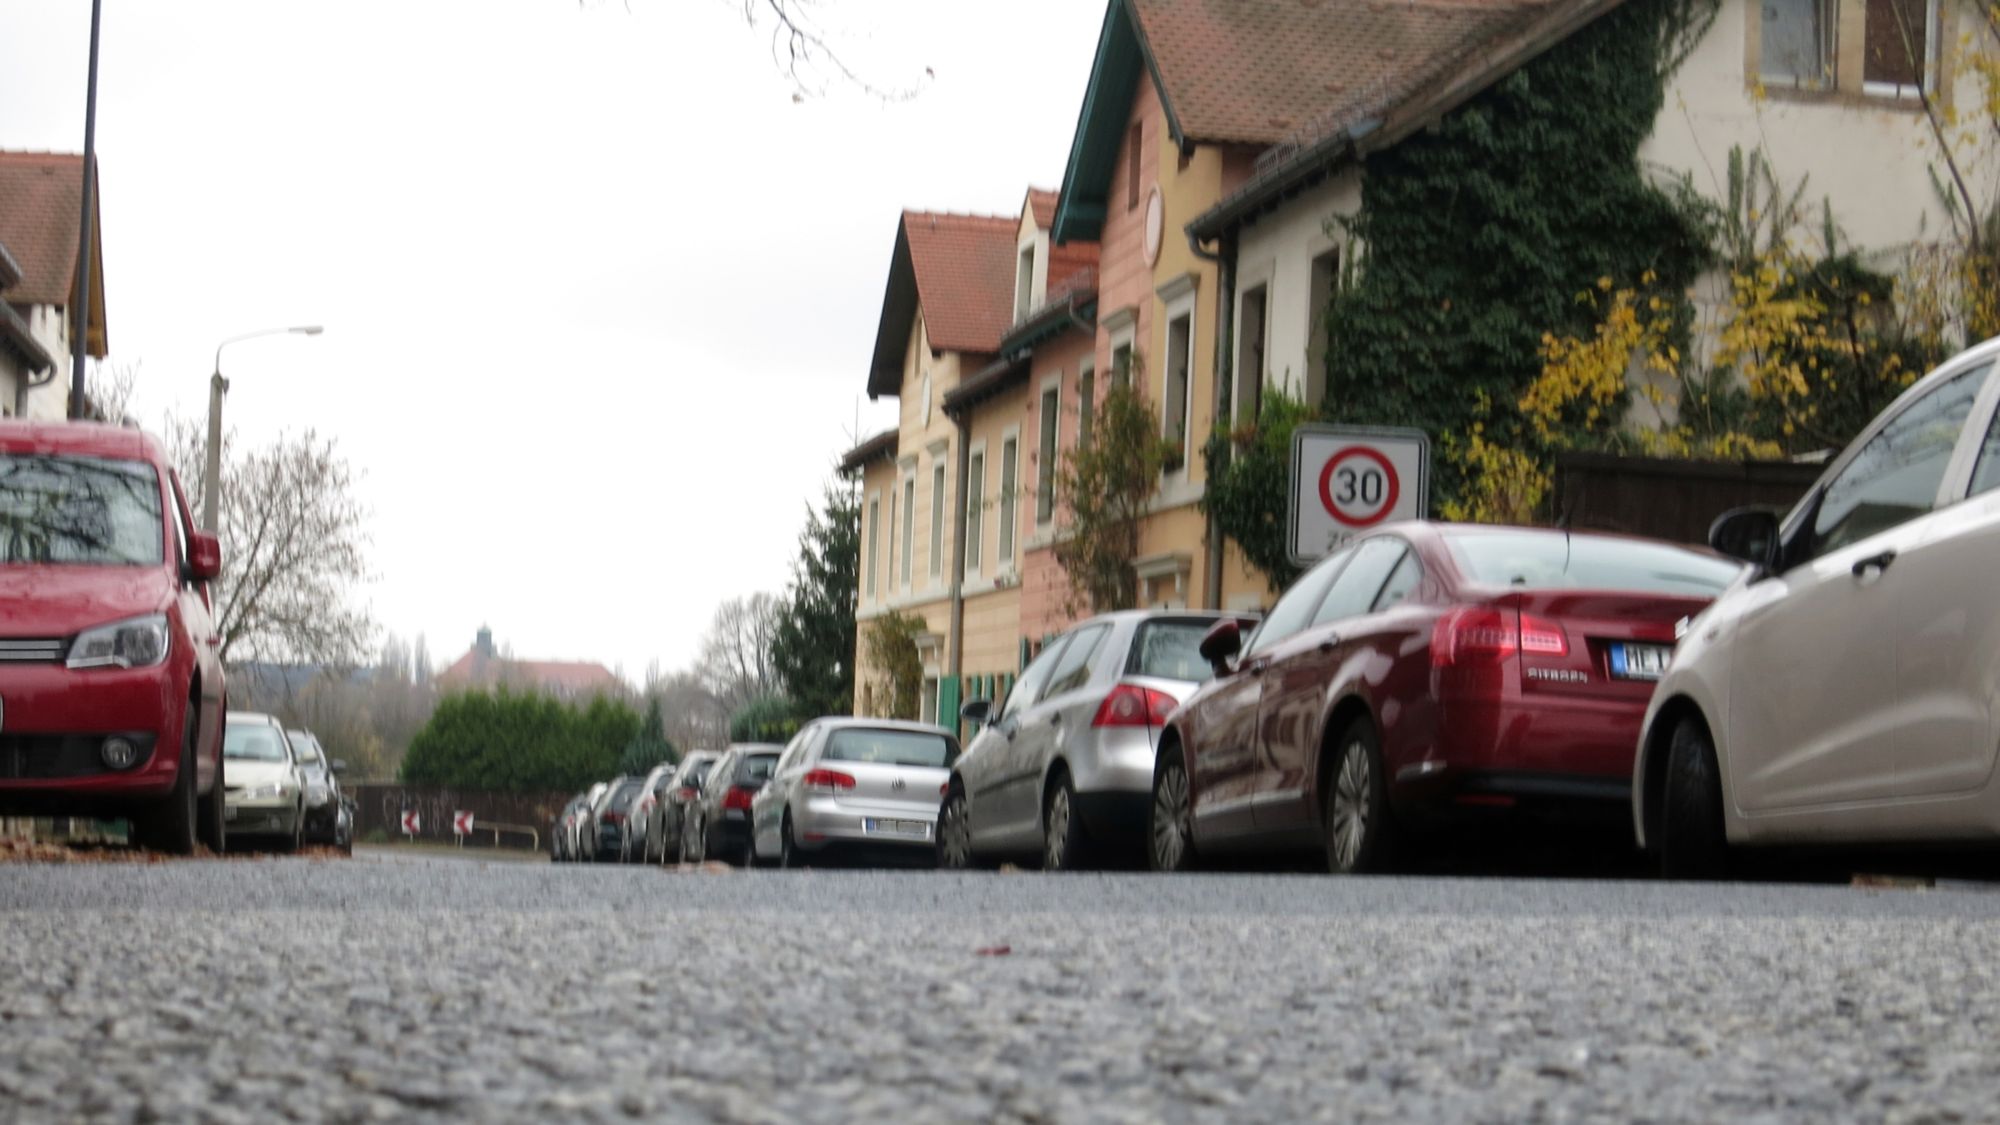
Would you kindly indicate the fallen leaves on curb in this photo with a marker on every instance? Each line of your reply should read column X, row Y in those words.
column 16, row 849
column 712, row 867
column 993, row 951
column 1894, row 882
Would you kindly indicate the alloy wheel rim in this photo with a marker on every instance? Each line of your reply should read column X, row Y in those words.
column 1055, row 843
column 1351, row 795
column 957, row 840
column 1170, row 818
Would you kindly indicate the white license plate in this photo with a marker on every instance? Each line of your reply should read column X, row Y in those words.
column 1640, row 662
column 896, row 827
column 229, row 812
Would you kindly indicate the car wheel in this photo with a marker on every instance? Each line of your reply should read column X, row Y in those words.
column 1063, row 843
column 212, row 820
column 288, row 845
column 696, row 844
column 169, row 826
column 1170, row 844
column 1356, row 818
column 1692, row 842
column 954, row 835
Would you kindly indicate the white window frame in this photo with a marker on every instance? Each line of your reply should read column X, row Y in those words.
column 1828, row 46
column 975, row 508
column 1933, row 31
column 1050, row 393
column 1009, row 541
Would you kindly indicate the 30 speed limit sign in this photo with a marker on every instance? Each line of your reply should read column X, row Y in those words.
column 1347, row 479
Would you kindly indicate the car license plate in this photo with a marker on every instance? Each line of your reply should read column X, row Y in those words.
column 1640, row 662
column 229, row 812
column 896, row 827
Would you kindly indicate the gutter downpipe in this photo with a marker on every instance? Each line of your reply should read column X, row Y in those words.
column 1225, row 324
column 956, row 657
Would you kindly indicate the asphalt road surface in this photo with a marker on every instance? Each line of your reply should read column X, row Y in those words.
column 437, row 988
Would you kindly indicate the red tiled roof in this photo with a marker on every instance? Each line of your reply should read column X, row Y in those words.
column 1270, row 71
column 1072, row 268
column 563, row 676
column 41, row 201
column 1043, row 203
column 964, row 267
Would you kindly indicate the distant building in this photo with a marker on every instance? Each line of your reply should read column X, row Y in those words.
column 41, row 206
column 483, row 667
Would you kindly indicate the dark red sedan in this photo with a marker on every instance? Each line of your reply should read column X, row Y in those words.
column 1425, row 667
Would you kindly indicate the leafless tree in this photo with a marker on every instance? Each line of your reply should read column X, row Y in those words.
column 695, row 719
column 294, row 546
column 736, row 654
column 109, row 391
column 804, row 50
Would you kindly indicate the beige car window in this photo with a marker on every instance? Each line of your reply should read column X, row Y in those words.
column 1895, row 477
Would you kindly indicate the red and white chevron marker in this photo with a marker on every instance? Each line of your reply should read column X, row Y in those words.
column 461, row 824
column 411, row 822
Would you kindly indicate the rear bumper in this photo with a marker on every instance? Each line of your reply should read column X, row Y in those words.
column 1116, row 815
column 823, row 821
column 53, row 721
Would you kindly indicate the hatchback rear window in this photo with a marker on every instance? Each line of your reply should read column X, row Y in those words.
column 1170, row 650
column 697, row 773
column 1550, row 560
column 889, row 747
column 79, row 511
column 755, row 768
column 623, row 795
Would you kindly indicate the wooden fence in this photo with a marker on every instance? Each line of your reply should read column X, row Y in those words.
column 381, row 806
column 1669, row 499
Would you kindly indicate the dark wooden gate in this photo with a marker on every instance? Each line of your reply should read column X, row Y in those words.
column 1669, row 499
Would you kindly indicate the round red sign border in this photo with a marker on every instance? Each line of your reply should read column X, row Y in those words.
column 1395, row 491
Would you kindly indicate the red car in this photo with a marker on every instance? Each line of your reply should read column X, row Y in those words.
column 111, row 687
column 1424, row 668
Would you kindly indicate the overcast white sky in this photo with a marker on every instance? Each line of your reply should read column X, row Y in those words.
column 599, row 295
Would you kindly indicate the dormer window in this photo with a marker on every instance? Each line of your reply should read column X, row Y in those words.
column 1024, row 283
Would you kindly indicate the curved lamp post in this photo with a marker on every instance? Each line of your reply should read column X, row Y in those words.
column 211, row 489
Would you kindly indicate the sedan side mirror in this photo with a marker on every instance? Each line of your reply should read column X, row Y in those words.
column 204, row 557
column 1749, row 534
column 338, row 766
column 1221, row 644
column 976, row 711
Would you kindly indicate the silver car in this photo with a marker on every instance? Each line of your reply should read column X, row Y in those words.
column 1065, row 768
column 264, row 796
column 859, row 786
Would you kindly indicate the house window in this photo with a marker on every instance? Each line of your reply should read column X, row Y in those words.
column 1174, row 396
column 1796, row 43
column 1121, row 365
column 1086, row 403
column 1325, row 283
column 1024, row 283
column 1900, row 47
column 874, row 522
column 1250, row 356
column 1045, row 466
column 909, row 522
column 937, row 519
column 975, row 517
column 1009, row 458
column 1133, row 143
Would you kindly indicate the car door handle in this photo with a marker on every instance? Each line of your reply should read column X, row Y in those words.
column 1055, row 720
column 1876, row 563
column 1329, row 644
column 1256, row 667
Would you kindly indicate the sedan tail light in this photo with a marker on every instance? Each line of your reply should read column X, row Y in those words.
column 738, row 797
column 1485, row 635
column 827, row 781
column 611, row 816
column 686, row 792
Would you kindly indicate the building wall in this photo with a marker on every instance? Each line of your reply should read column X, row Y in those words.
column 1278, row 254
column 1045, row 587
column 1868, row 155
column 49, row 402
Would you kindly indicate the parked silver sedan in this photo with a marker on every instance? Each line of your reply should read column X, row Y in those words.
column 862, row 787
column 1065, row 768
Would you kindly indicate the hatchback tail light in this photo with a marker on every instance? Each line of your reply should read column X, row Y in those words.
column 1130, row 705
column 827, row 781
column 686, row 792
column 738, row 797
column 1485, row 635
column 611, row 816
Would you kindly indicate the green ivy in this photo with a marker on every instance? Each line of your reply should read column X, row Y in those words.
column 1247, row 470
column 1480, row 232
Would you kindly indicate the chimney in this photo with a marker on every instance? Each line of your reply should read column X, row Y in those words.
column 484, row 645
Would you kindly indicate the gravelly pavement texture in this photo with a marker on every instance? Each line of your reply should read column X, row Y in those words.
column 424, row 989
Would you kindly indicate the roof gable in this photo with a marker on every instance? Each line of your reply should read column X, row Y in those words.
column 1100, row 126
column 958, row 271
column 41, row 205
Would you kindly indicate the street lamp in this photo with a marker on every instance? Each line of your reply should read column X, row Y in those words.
column 212, row 475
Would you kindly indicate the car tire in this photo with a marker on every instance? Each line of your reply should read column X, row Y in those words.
column 1064, row 845
column 1356, row 814
column 289, row 845
column 169, row 825
column 695, row 843
column 789, row 855
column 954, row 835
column 1170, row 821
column 212, row 818
column 1693, row 844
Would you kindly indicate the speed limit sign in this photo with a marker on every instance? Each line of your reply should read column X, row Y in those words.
column 1347, row 479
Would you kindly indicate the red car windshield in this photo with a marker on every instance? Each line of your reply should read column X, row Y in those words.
column 79, row 511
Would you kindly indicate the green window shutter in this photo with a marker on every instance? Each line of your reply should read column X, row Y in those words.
column 948, row 703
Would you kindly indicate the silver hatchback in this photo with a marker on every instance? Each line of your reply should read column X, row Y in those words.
column 1064, row 768
column 864, row 787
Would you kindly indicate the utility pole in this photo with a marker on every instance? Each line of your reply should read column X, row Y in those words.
column 80, row 323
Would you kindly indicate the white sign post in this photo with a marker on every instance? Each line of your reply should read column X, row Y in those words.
column 1348, row 479
column 461, row 826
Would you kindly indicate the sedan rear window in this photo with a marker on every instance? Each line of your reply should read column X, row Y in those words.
column 1170, row 650
column 79, row 511
column 1551, row 560
column 889, row 747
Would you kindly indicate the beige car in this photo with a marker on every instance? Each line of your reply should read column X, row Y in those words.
column 1846, row 689
column 264, row 798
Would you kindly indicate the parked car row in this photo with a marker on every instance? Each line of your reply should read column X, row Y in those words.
column 280, row 789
